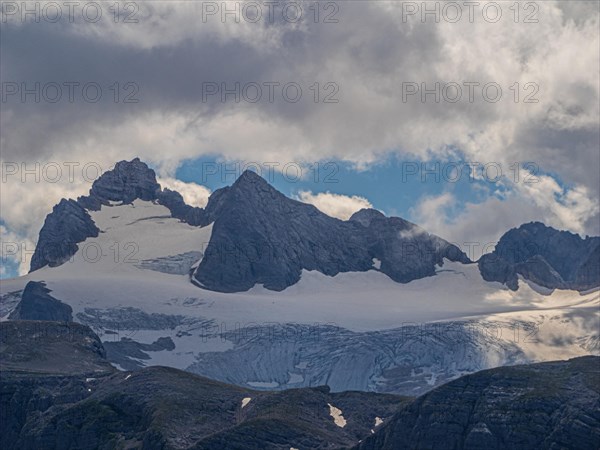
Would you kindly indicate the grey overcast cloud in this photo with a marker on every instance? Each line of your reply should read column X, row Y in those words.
column 155, row 65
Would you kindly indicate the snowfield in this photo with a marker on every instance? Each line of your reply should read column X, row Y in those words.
column 352, row 331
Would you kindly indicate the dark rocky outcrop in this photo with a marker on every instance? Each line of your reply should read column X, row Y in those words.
column 406, row 251
column 542, row 406
column 259, row 235
column 73, row 399
column 58, row 391
column 67, row 225
column 128, row 181
column 50, row 348
column 70, row 223
column 164, row 408
column 129, row 354
column 262, row 237
column 548, row 257
column 37, row 304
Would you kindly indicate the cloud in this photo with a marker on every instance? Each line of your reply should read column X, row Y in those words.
column 571, row 208
column 29, row 194
column 193, row 194
column 475, row 227
column 171, row 53
column 433, row 213
column 335, row 205
column 16, row 251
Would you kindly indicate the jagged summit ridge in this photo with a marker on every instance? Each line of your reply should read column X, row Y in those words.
column 548, row 257
column 70, row 223
column 260, row 236
column 366, row 215
column 67, row 225
column 128, row 181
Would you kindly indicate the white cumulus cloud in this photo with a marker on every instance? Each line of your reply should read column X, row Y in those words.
column 335, row 205
column 193, row 194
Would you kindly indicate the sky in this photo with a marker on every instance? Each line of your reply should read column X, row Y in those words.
column 467, row 120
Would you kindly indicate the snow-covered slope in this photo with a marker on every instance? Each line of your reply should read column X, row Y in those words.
column 134, row 235
column 356, row 330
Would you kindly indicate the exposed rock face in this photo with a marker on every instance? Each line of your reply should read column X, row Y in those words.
column 548, row 257
column 73, row 399
column 70, row 223
column 259, row 235
column 159, row 407
column 406, row 251
column 127, row 182
column 262, row 237
column 180, row 210
column 51, row 348
column 67, row 225
column 543, row 406
column 58, row 391
column 37, row 304
column 129, row 354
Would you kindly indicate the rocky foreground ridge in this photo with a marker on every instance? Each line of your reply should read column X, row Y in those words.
column 58, row 391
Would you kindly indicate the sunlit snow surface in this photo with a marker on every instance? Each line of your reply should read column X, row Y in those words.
column 309, row 333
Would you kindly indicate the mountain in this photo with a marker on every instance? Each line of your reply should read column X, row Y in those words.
column 550, row 258
column 259, row 236
column 37, row 304
column 269, row 294
column 58, row 391
column 262, row 237
column 51, row 348
column 64, row 402
column 543, row 406
column 67, row 225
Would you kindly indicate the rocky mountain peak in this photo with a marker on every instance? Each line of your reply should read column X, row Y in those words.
column 128, row 181
column 551, row 258
column 250, row 176
column 250, row 185
column 366, row 215
column 252, row 216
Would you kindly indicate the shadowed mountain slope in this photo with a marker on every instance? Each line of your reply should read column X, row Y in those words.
column 543, row 406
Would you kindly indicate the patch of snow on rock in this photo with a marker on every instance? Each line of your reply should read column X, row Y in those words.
column 336, row 413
